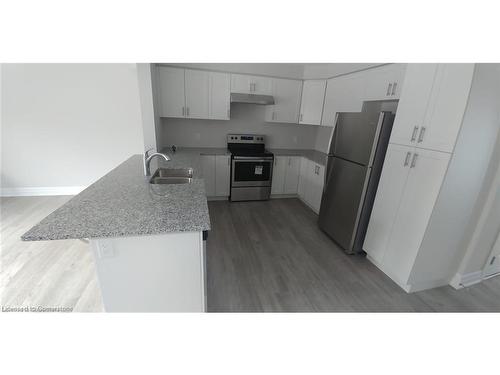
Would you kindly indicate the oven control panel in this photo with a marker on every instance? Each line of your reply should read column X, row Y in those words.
column 246, row 138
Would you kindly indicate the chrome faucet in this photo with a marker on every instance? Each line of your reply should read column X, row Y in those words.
column 148, row 158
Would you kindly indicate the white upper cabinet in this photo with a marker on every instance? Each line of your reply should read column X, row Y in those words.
column 172, row 100
column 197, row 93
column 432, row 105
column 446, row 107
column 219, row 97
column 343, row 94
column 412, row 106
column 247, row 84
column 384, row 82
column 286, row 93
column 313, row 95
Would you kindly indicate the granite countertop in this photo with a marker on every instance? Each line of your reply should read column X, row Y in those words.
column 124, row 203
column 314, row 155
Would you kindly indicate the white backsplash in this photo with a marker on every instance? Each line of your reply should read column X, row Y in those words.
column 245, row 118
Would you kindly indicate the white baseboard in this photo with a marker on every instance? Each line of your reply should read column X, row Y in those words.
column 38, row 191
column 460, row 281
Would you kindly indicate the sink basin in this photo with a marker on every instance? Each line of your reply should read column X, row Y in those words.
column 172, row 176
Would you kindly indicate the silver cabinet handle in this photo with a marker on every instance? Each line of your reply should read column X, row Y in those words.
column 414, row 134
column 407, row 159
column 389, row 86
column 187, row 111
column 183, row 111
column 394, row 88
column 228, row 113
column 301, row 117
column 414, row 160
column 421, row 135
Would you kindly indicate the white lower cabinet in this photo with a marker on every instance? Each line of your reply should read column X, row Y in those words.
column 409, row 186
column 279, row 172
column 208, row 173
column 291, row 182
column 215, row 170
column 310, row 184
column 222, row 175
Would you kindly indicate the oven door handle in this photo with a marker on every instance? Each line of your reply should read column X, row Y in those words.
column 252, row 158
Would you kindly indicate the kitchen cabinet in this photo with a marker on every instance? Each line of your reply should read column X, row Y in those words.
column 222, row 175
column 412, row 106
column 427, row 171
column 343, row 94
column 286, row 170
column 311, row 108
column 279, row 171
column 247, row 84
column 196, row 86
column 215, row 171
column 286, row 93
column 219, row 96
column 408, row 189
column 446, row 108
column 171, row 84
column 310, row 185
column 390, row 189
column 303, row 178
column 432, row 105
column 208, row 173
column 384, row 82
column 291, row 182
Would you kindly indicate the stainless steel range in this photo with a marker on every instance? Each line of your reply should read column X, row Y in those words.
column 251, row 167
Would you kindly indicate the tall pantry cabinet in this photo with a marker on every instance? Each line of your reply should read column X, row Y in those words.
column 427, row 123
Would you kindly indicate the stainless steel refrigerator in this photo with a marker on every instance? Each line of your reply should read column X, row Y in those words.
column 355, row 159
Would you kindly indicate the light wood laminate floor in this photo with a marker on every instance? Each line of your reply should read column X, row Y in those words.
column 261, row 256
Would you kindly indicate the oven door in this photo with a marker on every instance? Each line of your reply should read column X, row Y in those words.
column 251, row 171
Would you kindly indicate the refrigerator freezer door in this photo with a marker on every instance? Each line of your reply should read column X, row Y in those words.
column 342, row 200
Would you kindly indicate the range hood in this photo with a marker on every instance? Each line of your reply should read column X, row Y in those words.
column 251, row 98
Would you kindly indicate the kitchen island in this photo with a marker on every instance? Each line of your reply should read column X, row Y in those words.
column 147, row 239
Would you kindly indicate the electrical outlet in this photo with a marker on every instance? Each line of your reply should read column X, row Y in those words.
column 295, row 139
column 106, row 249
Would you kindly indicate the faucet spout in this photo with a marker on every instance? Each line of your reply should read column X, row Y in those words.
column 148, row 158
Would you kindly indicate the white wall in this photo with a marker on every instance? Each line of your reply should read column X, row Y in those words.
column 66, row 125
column 245, row 118
column 147, row 108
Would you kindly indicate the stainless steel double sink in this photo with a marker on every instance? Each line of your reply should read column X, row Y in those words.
column 172, row 176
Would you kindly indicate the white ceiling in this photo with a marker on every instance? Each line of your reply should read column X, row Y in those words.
column 285, row 70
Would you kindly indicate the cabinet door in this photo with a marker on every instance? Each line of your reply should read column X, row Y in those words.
column 313, row 95
column 446, row 107
column 292, row 175
column 343, row 94
column 222, row 173
column 261, row 85
column 197, row 92
column 219, row 97
column 172, row 100
column 427, row 171
column 316, row 191
column 240, row 83
column 384, row 82
column 385, row 207
column 279, row 171
column 303, row 178
column 208, row 173
column 286, row 93
column 412, row 106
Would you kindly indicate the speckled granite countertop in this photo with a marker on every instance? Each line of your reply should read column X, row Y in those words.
column 124, row 203
column 316, row 156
